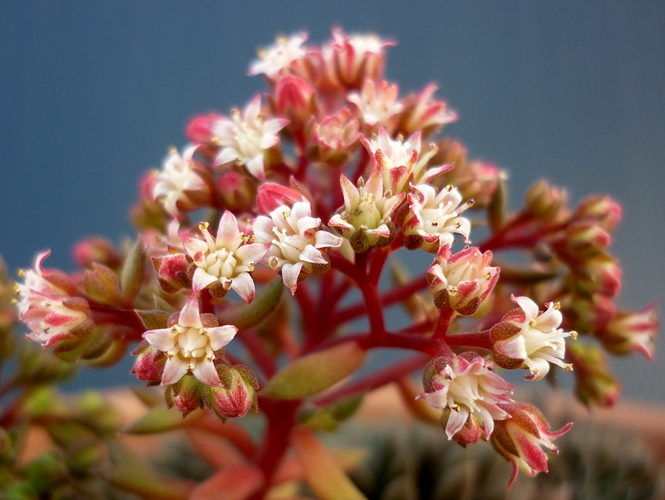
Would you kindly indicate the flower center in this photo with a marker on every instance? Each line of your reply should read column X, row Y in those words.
column 192, row 344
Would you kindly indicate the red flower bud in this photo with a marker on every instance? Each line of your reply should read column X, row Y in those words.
column 237, row 394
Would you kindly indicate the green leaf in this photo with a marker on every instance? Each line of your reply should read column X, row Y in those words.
column 265, row 303
column 160, row 419
column 153, row 320
column 315, row 372
column 329, row 417
column 133, row 271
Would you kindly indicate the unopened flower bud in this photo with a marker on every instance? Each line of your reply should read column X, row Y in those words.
column 461, row 282
column 185, row 394
column 172, row 271
column 149, row 364
column 294, row 99
column 237, row 190
column 520, row 437
column 237, row 394
column 599, row 274
column 587, row 313
column 586, row 238
column 595, row 384
column 631, row 331
column 600, row 208
column 200, row 128
column 545, row 201
column 97, row 249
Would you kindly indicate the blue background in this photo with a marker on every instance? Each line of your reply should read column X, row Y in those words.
column 92, row 94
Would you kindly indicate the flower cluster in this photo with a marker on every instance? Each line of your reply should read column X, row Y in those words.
column 311, row 188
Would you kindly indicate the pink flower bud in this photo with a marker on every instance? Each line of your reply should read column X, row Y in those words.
column 294, row 99
column 599, row 274
column 271, row 195
column 237, row 394
column 631, row 331
column 546, row 202
column 520, row 438
column 595, row 383
column 186, row 394
column 600, row 208
column 96, row 249
column 238, row 191
column 173, row 272
column 461, row 282
column 587, row 313
column 200, row 128
column 149, row 364
column 585, row 239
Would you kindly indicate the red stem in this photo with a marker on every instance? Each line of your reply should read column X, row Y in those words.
column 377, row 379
column 395, row 295
column 304, row 298
column 281, row 419
column 258, row 350
column 445, row 317
column 471, row 339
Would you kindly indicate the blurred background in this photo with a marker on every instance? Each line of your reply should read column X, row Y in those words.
column 93, row 94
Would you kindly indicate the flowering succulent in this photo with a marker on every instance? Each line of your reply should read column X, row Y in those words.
column 296, row 242
column 462, row 281
column 226, row 260
column 191, row 344
column 434, row 218
column 314, row 189
column 468, row 391
column 366, row 219
column 531, row 339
